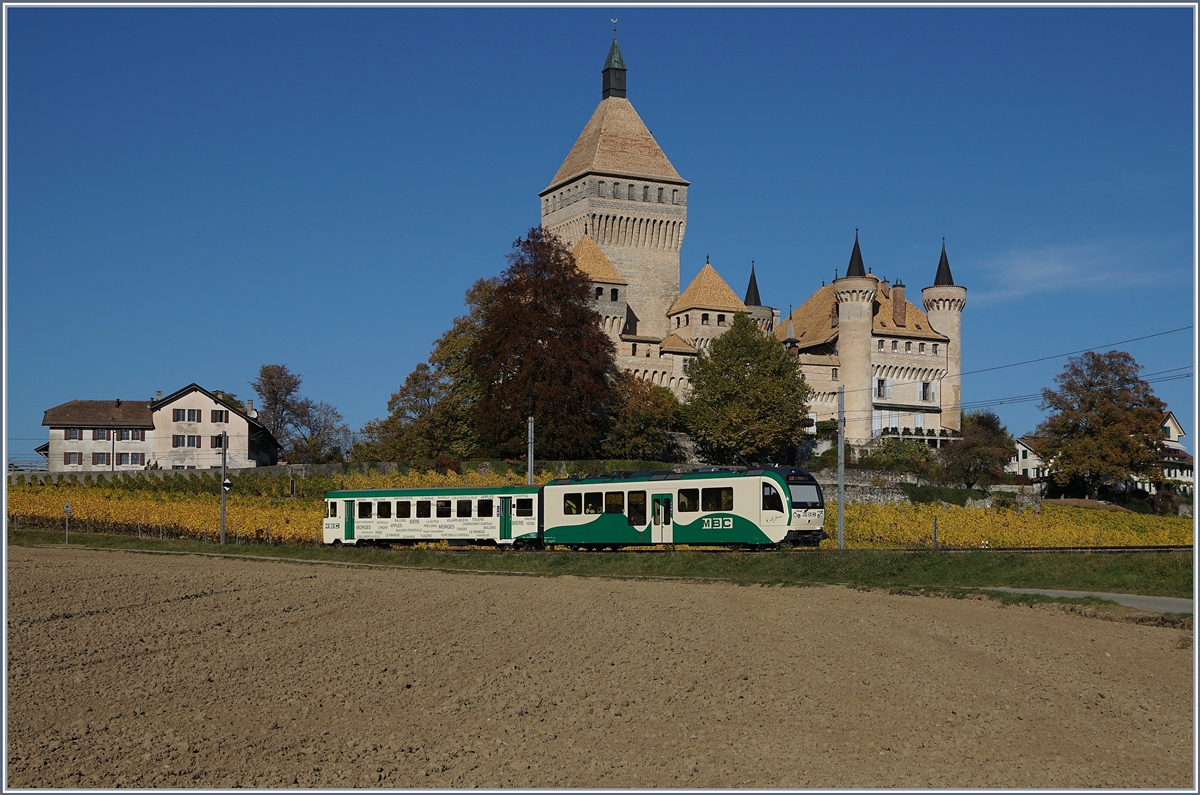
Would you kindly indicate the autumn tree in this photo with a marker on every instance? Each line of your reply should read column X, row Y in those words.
column 1105, row 425
column 319, row 435
column 978, row 457
column 278, row 390
column 541, row 353
column 642, row 417
column 747, row 396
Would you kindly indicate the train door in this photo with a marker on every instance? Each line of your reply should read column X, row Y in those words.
column 349, row 520
column 506, row 518
column 662, row 531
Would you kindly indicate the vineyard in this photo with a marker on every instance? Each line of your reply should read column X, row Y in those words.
column 285, row 510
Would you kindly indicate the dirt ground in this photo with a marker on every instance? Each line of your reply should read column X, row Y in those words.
column 145, row 670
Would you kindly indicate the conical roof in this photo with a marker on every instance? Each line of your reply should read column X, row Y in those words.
column 592, row 263
column 615, row 141
column 752, row 298
column 708, row 291
column 943, row 272
column 614, row 59
column 855, row 268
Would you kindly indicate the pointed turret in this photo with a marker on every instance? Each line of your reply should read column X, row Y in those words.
column 752, row 298
column 855, row 268
column 613, row 84
column 943, row 272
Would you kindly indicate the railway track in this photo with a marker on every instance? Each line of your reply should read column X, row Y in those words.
column 461, row 550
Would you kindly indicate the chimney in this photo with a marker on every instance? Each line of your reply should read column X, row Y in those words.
column 250, row 407
column 118, row 402
column 158, row 394
column 899, row 305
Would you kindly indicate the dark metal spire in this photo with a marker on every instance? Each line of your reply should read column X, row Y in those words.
column 855, row 268
column 752, row 298
column 614, row 71
column 943, row 271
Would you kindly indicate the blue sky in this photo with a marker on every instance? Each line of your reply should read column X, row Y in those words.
column 195, row 192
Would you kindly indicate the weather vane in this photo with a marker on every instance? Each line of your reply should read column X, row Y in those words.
column 614, row 27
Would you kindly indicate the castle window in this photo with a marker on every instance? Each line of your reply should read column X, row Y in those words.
column 600, row 188
column 921, row 348
column 660, row 195
column 908, row 347
column 720, row 320
column 935, row 349
column 613, row 294
column 704, row 319
column 645, row 193
column 833, row 374
column 634, row 350
column 926, row 391
column 674, row 197
column 895, row 346
column 616, row 190
column 599, row 293
column 687, row 321
column 677, row 319
column 632, row 193
column 881, row 345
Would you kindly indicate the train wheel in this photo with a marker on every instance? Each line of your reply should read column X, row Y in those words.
column 337, row 542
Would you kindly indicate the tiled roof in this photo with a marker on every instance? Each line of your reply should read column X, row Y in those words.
column 615, row 141
column 100, row 414
column 813, row 320
column 673, row 344
column 708, row 291
column 592, row 263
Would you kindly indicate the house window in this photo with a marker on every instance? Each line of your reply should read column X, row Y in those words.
column 704, row 319
column 215, row 442
column 895, row 346
column 72, row 459
column 1024, row 455
column 137, row 459
column 75, row 433
column 193, row 415
column 122, row 459
column 1025, row 472
column 935, row 349
column 220, row 415
column 720, row 320
column 833, row 374
column 178, row 441
column 921, row 348
column 645, row 193
column 99, row 458
column 133, row 435
column 193, row 441
column 613, row 295
column 100, row 434
column 908, row 347
column 177, row 415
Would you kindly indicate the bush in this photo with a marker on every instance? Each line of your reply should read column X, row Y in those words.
column 927, row 494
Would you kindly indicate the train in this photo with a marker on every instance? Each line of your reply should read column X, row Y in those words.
column 752, row 508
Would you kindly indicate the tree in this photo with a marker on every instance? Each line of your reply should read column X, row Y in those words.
column 541, row 353
column 229, row 399
column 319, row 435
column 979, row 456
column 641, row 419
column 898, row 455
column 1106, row 422
column 747, row 396
column 278, row 389
column 430, row 415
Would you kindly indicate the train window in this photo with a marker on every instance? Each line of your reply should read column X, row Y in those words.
column 525, row 506
column 614, row 502
column 593, row 502
column 771, row 499
column 463, row 509
column 637, row 508
column 404, row 510
column 332, row 510
column 572, row 503
column 805, row 495
column 423, row 509
column 364, row 510
column 443, row 509
column 689, row 500
column 717, row 499
column 384, row 510
column 485, row 508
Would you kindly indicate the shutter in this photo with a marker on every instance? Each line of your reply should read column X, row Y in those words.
column 889, row 389
column 66, row 458
column 933, row 391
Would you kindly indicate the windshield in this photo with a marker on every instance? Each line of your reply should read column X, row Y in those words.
column 805, row 495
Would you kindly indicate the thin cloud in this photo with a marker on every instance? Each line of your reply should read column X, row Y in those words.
column 1022, row 273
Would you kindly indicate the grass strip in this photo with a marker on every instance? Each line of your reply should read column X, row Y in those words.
column 1147, row 574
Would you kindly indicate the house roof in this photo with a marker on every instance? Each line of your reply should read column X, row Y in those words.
column 593, row 264
column 615, row 142
column 708, row 291
column 812, row 322
column 100, row 414
column 190, row 388
column 675, row 344
column 1170, row 418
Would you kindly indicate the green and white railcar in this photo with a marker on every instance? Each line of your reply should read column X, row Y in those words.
column 765, row 506
column 508, row 515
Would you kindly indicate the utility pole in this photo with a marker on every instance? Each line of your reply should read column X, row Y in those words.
column 841, row 467
column 224, row 481
column 529, row 455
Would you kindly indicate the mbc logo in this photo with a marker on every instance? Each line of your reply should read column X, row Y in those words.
column 718, row 523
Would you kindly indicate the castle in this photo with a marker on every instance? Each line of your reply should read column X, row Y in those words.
column 621, row 207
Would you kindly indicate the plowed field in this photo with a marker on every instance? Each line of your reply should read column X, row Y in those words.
column 147, row 670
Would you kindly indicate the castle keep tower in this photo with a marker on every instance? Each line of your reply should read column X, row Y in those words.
column 944, row 303
column 855, row 296
column 617, row 187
